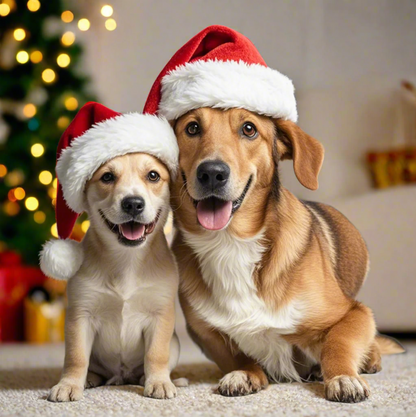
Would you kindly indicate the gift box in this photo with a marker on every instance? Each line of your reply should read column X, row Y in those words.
column 16, row 280
column 44, row 319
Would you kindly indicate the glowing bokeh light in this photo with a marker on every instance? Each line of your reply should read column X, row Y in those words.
column 45, row 177
column 36, row 57
column 67, row 16
column 19, row 34
column 31, row 203
column 110, row 24
column 68, row 38
column 63, row 60
column 22, row 57
column 84, row 24
column 48, row 75
column 37, row 150
column 39, row 217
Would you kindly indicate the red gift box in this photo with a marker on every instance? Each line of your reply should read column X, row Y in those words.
column 15, row 282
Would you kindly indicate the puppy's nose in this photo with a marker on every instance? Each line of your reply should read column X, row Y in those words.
column 133, row 205
column 213, row 174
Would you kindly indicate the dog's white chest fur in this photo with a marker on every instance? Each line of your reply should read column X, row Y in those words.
column 227, row 265
column 120, row 310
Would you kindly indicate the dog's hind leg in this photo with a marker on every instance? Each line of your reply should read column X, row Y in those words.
column 372, row 364
column 93, row 380
column 344, row 352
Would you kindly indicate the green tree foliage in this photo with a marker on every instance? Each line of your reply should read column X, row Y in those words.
column 26, row 83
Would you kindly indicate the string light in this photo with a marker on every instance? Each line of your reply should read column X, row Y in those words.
column 11, row 196
column 85, row 225
column 4, row 9
column 19, row 193
column 19, row 34
column 22, row 57
column 11, row 208
column 52, row 192
column 71, row 103
column 45, row 177
column 31, row 203
column 63, row 60
column 10, row 3
column 36, row 57
column 54, row 201
column 39, row 217
column 14, row 178
column 84, row 24
column 29, row 110
column 67, row 16
column 37, row 150
column 54, row 230
column 55, row 183
column 68, row 38
column 63, row 122
column 3, row 170
column 110, row 24
column 48, row 75
column 106, row 10
column 33, row 5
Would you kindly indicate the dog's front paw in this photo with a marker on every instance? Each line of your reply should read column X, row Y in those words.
column 346, row 389
column 161, row 389
column 65, row 391
column 238, row 383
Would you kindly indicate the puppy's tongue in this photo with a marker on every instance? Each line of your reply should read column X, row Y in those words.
column 213, row 214
column 132, row 230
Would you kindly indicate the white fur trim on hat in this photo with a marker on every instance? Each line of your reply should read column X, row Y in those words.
column 61, row 259
column 127, row 133
column 226, row 85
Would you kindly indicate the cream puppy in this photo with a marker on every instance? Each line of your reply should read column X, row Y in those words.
column 120, row 316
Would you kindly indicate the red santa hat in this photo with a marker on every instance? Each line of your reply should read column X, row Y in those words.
column 221, row 68
column 96, row 135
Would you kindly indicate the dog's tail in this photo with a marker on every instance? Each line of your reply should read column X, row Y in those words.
column 389, row 345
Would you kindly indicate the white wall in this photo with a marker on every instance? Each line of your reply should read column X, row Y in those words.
column 346, row 58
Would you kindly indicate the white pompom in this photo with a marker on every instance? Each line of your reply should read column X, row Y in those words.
column 61, row 259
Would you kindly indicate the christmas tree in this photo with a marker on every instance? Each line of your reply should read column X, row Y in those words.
column 41, row 89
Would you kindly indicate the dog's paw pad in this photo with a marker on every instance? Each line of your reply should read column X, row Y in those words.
column 64, row 392
column 160, row 389
column 346, row 389
column 238, row 383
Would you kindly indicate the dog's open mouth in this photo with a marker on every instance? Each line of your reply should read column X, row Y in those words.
column 131, row 233
column 214, row 213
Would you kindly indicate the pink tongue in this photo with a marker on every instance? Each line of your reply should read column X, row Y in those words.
column 132, row 231
column 214, row 214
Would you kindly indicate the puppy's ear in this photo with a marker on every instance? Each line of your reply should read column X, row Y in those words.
column 307, row 153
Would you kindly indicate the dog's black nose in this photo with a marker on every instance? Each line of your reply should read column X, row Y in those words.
column 133, row 205
column 213, row 175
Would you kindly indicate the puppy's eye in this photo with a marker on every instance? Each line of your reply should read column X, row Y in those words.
column 153, row 176
column 193, row 129
column 108, row 177
column 249, row 130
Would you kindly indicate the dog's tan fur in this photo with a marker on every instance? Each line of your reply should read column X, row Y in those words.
column 310, row 252
column 120, row 316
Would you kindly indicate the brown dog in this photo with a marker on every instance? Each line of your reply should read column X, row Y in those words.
column 268, row 282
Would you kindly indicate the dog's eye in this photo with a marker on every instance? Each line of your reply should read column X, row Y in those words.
column 193, row 129
column 108, row 177
column 153, row 176
column 249, row 130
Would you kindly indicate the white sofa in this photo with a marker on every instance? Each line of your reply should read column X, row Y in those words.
column 387, row 220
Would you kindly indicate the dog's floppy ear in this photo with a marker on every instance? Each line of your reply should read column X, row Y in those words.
column 307, row 153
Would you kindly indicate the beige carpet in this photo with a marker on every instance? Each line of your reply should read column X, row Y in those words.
column 27, row 372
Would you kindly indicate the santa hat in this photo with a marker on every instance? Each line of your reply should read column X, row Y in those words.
column 96, row 135
column 221, row 68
